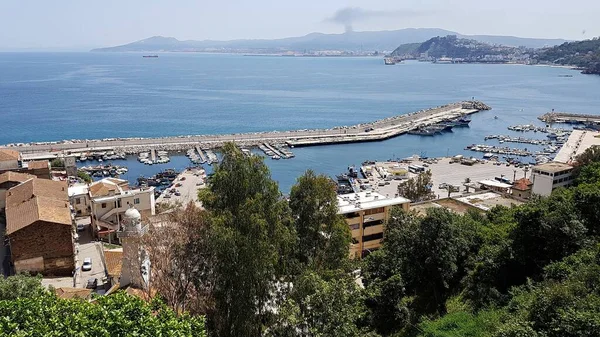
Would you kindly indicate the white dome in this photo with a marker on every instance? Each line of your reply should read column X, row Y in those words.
column 132, row 214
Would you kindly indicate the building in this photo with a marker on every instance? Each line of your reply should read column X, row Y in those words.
column 549, row 176
column 9, row 160
column 135, row 268
column 79, row 198
column 522, row 188
column 9, row 180
column 110, row 198
column 494, row 185
column 39, row 227
column 366, row 214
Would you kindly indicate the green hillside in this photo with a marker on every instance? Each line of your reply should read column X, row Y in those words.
column 583, row 54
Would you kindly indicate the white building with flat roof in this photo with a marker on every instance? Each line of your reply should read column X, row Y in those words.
column 546, row 177
column 366, row 214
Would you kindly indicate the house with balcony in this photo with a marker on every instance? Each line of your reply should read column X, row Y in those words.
column 110, row 198
column 366, row 214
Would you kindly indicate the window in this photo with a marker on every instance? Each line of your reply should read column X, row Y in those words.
column 103, row 205
column 375, row 211
column 351, row 215
column 376, row 236
column 372, row 223
column 78, row 201
column 136, row 201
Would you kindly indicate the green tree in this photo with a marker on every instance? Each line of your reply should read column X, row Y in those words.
column 20, row 286
column 250, row 241
column 417, row 188
column 84, row 176
column 324, row 307
column 118, row 314
column 323, row 235
column 57, row 162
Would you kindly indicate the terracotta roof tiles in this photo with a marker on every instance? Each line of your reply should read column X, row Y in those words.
column 9, row 155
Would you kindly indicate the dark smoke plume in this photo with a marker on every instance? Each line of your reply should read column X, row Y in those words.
column 348, row 16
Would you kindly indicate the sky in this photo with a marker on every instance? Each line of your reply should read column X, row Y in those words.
column 81, row 24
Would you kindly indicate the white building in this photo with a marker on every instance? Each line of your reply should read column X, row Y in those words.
column 107, row 200
column 546, row 177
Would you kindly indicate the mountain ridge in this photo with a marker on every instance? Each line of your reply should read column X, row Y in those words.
column 386, row 40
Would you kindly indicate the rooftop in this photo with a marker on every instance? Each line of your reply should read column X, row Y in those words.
column 348, row 203
column 9, row 155
column 114, row 261
column 78, row 189
column 494, row 183
column 578, row 142
column 38, row 164
column 69, row 293
column 522, row 184
column 105, row 186
column 14, row 177
column 37, row 200
column 553, row 167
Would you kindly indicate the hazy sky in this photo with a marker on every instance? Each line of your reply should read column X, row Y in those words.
column 96, row 23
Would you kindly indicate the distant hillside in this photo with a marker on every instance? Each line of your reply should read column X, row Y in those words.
column 454, row 47
column 583, row 54
column 351, row 41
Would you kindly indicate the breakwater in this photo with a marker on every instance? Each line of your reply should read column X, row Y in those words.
column 373, row 131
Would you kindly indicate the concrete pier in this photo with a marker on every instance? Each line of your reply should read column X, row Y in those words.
column 374, row 131
column 276, row 151
column 568, row 117
column 201, row 154
column 153, row 155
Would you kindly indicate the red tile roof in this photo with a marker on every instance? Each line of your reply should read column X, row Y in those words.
column 522, row 184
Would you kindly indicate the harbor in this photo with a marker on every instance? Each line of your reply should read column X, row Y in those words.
column 365, row 132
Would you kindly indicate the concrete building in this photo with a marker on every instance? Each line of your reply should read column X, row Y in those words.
column 9, row 160
column 9, row 180
column 79, row 198
column 110, row 198
column 546, row 177
column 578, row 142
column 39, row 226
column 522, row 188
column 494, row 185
column 366, row 214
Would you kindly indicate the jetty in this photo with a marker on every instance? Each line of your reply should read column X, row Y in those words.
column 374, row 131
column 153, row 155
column 569, row 118
column 201, row 153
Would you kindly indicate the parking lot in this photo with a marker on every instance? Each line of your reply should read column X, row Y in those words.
column 185, row 189
column 443, row 171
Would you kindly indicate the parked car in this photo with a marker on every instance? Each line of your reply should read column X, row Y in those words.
column 182, row 178
column 80, row 227
column 87, row 264
column 92, row 283
column 177, row 194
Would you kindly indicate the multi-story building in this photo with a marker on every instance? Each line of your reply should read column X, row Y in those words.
column 79, row 197
column 546, row 177
column 366, row 214
column 9, row 160
column 110, row 198
column 39, row 226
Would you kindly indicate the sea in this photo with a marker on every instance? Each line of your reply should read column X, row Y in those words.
column 56, row 96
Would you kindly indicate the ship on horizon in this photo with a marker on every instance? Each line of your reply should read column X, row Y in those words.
column 149, row 55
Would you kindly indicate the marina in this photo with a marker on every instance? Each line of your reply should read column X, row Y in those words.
column 570, row 118
column 365, row 132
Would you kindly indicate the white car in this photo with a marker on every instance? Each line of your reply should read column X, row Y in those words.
column 87, row 264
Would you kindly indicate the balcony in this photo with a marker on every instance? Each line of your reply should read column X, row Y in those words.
column 126, row 233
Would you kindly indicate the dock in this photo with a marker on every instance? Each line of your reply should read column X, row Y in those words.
column 569, row 118
column 276, row 151
column 374, row 131
column 201, row 154
column 153, row 155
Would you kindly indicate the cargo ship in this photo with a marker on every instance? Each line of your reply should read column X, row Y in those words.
column 150, row 56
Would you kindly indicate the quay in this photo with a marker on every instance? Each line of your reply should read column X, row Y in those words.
column 153, row 155
column 569, row 118
column 201, row 154
column 276, row 151
column 374, row 131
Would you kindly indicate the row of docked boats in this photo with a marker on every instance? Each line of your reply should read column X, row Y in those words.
column 445, row 125
column 198, row 156
column 104, row 170
column 101, row 156
column 162, row 157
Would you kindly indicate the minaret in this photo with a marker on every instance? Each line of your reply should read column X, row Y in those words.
column 136, row 265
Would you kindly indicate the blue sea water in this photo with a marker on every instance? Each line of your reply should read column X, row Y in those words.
column 54, row 96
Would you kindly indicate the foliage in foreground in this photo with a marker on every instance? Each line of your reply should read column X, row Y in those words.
column 118, row 314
